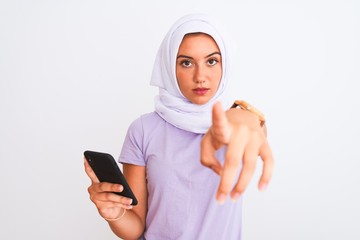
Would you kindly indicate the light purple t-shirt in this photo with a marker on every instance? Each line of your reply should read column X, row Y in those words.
column 181, row 192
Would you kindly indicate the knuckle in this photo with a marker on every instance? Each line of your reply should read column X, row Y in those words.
column 90, row 189
column 92, row 198
column 107, row 197
column 114, row 187
column 205, row 162
column 103, row 187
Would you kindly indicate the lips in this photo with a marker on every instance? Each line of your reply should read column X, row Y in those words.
column 201, row 91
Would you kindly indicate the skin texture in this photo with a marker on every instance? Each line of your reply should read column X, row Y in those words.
column 111, row 206
column 197, row 66
column 245, row 139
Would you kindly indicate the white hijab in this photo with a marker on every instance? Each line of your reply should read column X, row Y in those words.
column 170, row 104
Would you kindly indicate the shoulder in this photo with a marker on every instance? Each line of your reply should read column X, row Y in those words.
column 144, row 124
column 150, row 117
column 146, row 120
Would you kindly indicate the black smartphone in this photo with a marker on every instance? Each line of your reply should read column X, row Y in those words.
column 107, row 170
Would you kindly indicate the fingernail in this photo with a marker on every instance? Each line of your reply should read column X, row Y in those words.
column 221, row 198
column 235, row 196
column 262, row 187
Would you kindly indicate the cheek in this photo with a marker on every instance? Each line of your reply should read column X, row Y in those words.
column 217, row 77
column 182, row 77
column 181, row 80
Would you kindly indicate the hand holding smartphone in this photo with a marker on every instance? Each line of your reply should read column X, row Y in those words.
column 107, row 170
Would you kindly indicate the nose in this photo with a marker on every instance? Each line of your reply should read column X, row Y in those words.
column 199, row 75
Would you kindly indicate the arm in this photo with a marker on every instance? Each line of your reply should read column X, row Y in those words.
column 245, row 139
column 111, row 206
column 133, row 226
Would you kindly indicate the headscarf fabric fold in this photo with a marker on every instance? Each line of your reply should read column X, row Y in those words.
column 170, row 104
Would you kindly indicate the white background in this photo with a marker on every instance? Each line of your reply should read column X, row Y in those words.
column 74, row 74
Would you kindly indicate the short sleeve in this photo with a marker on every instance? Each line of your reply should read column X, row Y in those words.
column 132, row 149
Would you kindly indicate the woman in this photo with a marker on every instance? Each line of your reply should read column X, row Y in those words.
column 162, row 149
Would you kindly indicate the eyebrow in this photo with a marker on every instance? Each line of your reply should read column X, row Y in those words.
column 211, row 54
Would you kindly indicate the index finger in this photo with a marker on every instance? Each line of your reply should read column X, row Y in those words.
column 90, row 172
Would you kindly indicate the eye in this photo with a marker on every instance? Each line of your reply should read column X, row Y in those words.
column 212, row 61
column 186, row 63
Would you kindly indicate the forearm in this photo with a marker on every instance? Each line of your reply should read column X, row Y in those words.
column 130, row 226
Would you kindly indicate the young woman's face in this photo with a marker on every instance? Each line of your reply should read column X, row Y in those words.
column 198, row 67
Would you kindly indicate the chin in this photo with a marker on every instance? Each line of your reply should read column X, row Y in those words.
column 200, row 102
